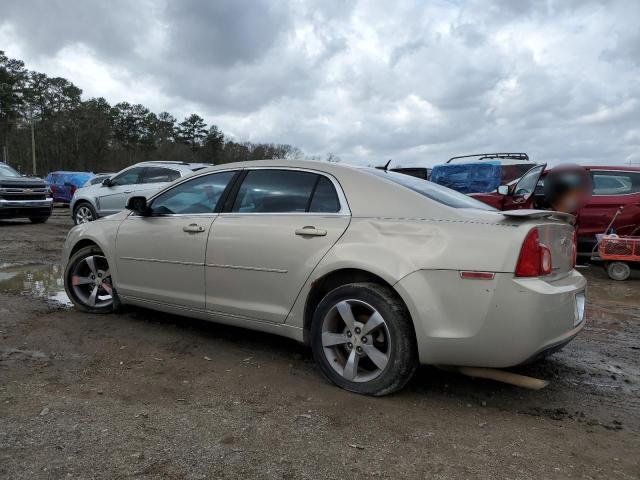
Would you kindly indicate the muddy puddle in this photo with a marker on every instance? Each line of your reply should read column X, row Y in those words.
column 35, row 280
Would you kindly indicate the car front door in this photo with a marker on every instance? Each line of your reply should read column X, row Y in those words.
column 521, row 194
column 112, row 198
column 271, row 236
column 611, row 189
column 161, row 256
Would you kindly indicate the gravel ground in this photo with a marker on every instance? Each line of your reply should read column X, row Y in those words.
column 146, row 395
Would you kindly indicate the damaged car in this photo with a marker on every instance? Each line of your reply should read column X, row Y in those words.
column 609, row 195
column 377, row 271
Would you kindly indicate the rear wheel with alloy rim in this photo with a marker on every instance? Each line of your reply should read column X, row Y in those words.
column 87, row 281
column 363, row 339
column 84, row 213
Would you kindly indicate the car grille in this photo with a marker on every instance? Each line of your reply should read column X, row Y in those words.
column 23, row 196
column 15, row 186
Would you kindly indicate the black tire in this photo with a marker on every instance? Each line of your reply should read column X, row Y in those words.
column 69, row 271
column 619, row 271
column 38, row 219
column 83, row 205
column 402, row 352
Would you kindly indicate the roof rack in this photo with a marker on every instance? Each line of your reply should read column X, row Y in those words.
column 170, row 162
column 488, row 156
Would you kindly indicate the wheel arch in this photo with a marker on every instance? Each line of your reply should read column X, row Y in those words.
column 85, row 242
column 79, row 202
column 329, row 281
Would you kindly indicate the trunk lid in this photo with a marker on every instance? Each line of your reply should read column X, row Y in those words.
column 555, row 230
column 558, row 237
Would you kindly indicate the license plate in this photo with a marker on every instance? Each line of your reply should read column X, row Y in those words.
column 579, row 311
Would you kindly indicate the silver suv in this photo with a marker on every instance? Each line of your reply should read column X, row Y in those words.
column 142, row 179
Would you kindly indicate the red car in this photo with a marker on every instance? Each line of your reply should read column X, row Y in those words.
column 612, row 187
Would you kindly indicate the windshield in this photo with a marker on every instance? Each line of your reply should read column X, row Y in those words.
column 7, row 171
column 432, row 190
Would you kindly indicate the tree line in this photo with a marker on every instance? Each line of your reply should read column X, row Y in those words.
column 48, row 115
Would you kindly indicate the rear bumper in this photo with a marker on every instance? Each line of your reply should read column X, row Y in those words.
column 490, row 323
column 25, row 208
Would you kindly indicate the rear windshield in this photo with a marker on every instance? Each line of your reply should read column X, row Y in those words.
column 432, row 190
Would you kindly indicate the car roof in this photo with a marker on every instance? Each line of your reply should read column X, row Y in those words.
column 368, row 194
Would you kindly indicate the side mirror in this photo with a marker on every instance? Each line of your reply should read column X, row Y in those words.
column 106, row 182
column 138, row 205
column 503, row 189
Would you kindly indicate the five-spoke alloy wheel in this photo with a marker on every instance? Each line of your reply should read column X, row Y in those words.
column 355, row 339
column 87, row 281
column 363, row 339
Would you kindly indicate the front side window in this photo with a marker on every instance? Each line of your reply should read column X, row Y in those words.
column 275, row 191
column 128, row 177
column 159, row 175
column 199, row 195
column 527, row 184
column 615, row 182
column 431, row 190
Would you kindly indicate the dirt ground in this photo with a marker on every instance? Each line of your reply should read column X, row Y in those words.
column 147, row 395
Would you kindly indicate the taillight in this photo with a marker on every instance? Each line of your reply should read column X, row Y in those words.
column 545, row 260
column 73, row 190
column 535, row 257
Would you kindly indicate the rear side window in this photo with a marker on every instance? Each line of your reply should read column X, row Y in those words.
column 128, row 177
column 159, row 175
column 614, row 182
column 200, row 195
column 431, row 190
column 325, row 197
column 286, row 191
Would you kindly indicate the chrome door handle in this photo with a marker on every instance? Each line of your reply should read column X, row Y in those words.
column 193, row 228
column 311, row 231
column 128, row 191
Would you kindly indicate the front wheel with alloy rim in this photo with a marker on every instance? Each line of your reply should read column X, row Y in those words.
column 363, row 339
column 87, row 281
column 84, row 213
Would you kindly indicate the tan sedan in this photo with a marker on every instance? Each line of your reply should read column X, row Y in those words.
column 376, row 270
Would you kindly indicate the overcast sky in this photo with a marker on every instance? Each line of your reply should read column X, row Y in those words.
column 414, row 81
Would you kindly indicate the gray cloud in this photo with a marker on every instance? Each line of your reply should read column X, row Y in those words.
column 365, row 80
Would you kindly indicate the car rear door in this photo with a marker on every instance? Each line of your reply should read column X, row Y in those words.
column 611, row 189
column 161, row 257
column 275, row 229
column 152, row 180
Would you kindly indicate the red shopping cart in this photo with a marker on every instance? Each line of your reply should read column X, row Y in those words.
column 617, row 253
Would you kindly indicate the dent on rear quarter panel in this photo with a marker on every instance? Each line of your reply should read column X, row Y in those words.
column 394, row 248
